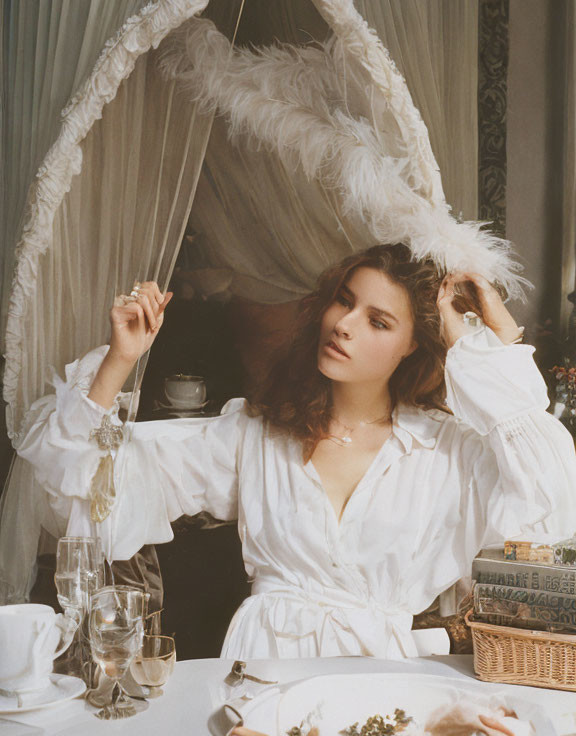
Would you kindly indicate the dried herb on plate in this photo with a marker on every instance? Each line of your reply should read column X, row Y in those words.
column 381, row 726
column 375, row 726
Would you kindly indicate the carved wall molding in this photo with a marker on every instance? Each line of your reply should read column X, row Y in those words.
column 493, row 21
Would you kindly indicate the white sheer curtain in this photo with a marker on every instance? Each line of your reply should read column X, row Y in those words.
column 109, row 206
column 259, row 230
column 49, row 48
column 435, row 46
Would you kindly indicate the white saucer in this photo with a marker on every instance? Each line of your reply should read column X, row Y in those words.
column 160, row 406
column 61, row 688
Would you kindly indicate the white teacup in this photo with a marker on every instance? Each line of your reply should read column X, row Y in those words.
column 185, row 392
column 30, row 640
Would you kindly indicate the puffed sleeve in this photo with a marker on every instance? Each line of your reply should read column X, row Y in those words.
column 163, row 469
column 519, row 461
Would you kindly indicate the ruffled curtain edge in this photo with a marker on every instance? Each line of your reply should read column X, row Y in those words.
column 63, row 161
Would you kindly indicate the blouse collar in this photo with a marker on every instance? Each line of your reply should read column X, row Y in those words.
column 412, row 424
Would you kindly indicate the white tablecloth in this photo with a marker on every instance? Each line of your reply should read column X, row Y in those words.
column 196, row 689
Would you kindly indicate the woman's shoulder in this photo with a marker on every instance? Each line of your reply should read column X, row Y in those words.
column 234, row 419
column 242, row 410
column 236, row 405
column 428, row 425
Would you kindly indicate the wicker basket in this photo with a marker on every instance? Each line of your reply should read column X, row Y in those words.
column 522, row 656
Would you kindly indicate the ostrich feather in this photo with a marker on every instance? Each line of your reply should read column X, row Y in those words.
column 295, row 102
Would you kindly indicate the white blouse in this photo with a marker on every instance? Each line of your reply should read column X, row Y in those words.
column 440, row 488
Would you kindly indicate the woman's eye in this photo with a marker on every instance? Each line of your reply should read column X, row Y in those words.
column 341, row 299
column 379, row 325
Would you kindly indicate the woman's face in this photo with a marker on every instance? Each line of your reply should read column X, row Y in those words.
column 367, row 330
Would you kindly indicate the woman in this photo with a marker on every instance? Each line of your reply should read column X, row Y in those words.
column 359, row 497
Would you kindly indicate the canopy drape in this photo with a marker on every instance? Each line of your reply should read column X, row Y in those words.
column 435, row 46
column 109, row 206
column 48, row 50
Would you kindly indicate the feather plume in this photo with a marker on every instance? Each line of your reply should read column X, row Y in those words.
column 295, row 102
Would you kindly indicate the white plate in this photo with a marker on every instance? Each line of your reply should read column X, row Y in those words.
column 61, row 688
column 337, row 701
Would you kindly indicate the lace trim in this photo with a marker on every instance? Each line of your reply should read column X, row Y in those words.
column 64, row 160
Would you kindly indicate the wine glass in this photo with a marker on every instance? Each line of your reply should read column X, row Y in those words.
column 116, row 630
column 79, row 572
column 153, row 666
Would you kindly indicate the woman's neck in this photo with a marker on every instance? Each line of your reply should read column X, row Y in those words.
column 353, row 403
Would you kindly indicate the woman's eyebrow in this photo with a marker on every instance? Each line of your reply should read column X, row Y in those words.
column 383, row 313
column 376, row 310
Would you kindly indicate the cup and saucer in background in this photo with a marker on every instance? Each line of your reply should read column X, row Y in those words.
column 185, row 396
column 32, row 635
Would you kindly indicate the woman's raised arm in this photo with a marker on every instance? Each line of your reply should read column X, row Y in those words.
column 492, row 310
column 162, row 469
column 135, row 322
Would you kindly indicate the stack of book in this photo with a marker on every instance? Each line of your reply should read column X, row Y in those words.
column 523, row 587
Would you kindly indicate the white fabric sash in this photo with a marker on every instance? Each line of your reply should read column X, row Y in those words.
column 381, row 630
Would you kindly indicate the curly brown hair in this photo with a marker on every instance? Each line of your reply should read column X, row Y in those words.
column 297, row 396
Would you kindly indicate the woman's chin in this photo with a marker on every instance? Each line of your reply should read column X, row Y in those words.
column 333, row 372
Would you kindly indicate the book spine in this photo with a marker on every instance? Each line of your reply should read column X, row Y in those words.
column 517, row 575
column 551, row 609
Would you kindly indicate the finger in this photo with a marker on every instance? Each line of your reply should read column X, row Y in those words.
column 144, row 302
column 495, row 725
column 445, row 294
column 153, row 291
column 453, row 277
column 125, row 312
column 165, row 301
column 158, row 294
column 486, row 292
column 149, row 290
column 141, row 321
column 160, row 313
column 441, row 291
column 446, row 289
column 480, row 281
column 469, row 294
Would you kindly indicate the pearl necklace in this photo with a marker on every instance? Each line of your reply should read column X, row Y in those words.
column 345, row 440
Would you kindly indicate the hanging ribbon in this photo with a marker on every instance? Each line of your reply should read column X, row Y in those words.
column 102, row 491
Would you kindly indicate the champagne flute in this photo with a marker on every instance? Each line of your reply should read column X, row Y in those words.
column 116, row 629
column 153, row 666
column 79, row 572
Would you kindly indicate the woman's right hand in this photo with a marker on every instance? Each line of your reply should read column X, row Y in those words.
column 135, row 324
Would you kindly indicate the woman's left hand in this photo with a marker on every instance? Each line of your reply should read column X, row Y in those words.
column 492, row 310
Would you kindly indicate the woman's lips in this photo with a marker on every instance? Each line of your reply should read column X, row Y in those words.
column 334, row 348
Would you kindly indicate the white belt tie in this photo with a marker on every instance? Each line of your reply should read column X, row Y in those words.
column 375, row 626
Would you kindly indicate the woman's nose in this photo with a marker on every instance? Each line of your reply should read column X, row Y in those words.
column 344, row 326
